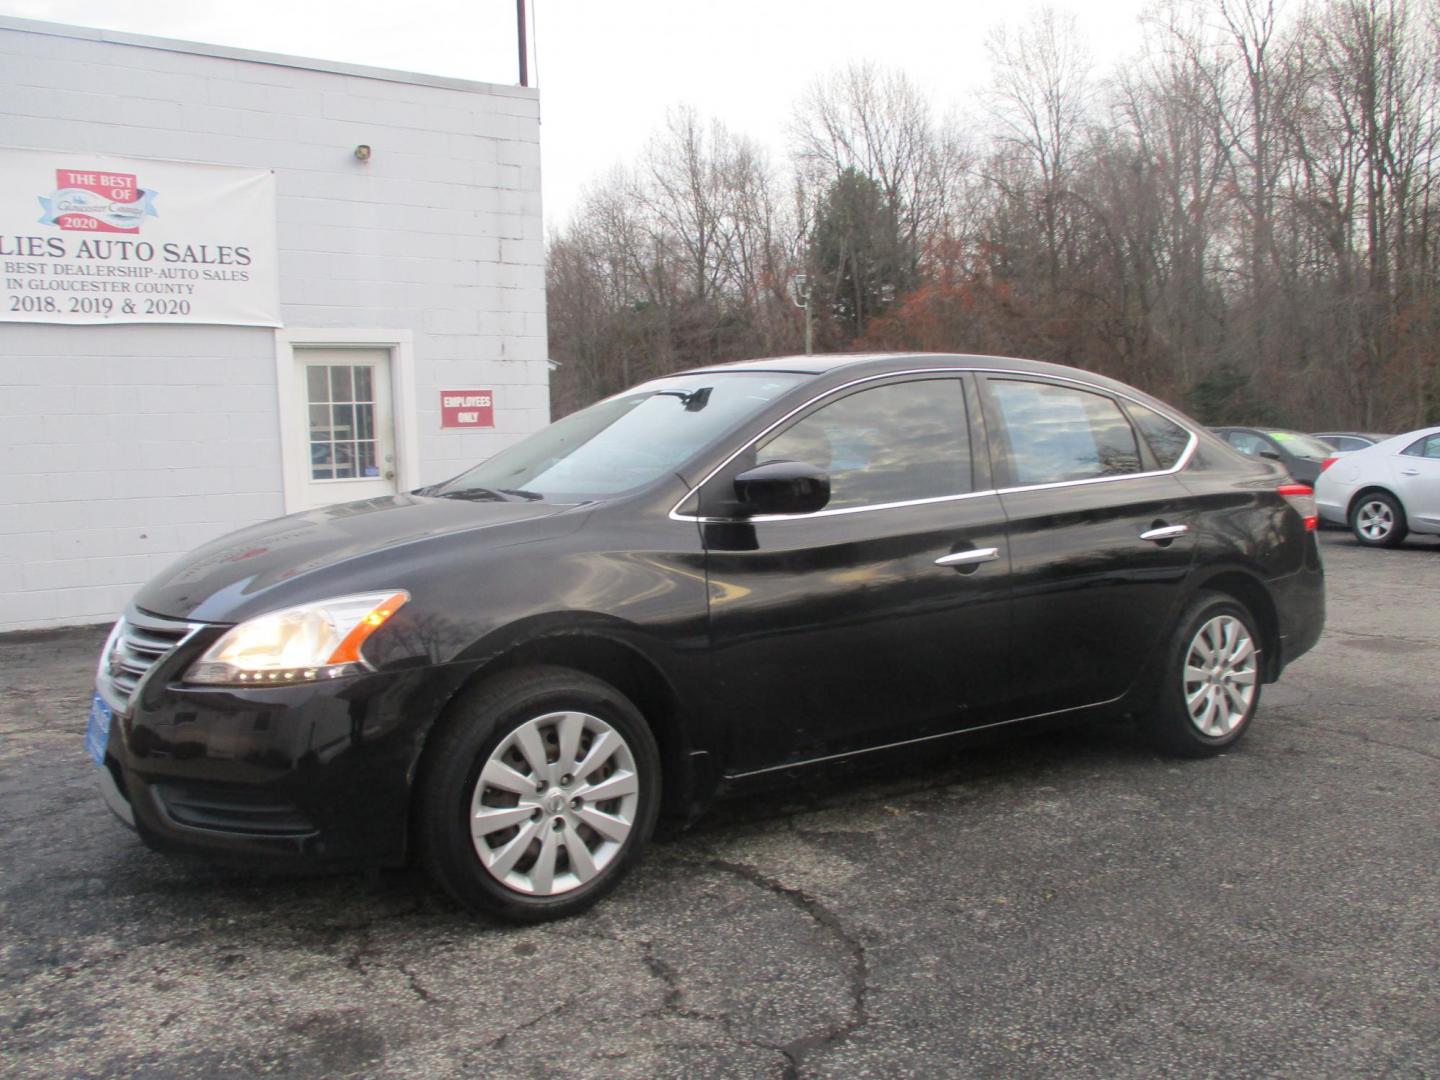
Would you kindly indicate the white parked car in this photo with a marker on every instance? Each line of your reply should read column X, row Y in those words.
column 1386, row 491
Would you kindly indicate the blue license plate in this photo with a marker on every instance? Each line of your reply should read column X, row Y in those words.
column 97, row 733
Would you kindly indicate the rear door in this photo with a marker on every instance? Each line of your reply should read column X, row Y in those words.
column 1101, row 537
column 880, row 618
column 1416, row 471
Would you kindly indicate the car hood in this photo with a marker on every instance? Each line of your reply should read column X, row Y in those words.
column 344, row 547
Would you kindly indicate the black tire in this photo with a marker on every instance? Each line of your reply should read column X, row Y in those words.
column 1378, row 520
column 476, row 727
column 1171, row 724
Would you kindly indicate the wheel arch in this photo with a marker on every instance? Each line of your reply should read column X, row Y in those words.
column 1252, row 593
column 604, row 654
column 1369, row 489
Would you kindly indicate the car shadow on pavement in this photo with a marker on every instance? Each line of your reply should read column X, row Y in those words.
column 346, row 896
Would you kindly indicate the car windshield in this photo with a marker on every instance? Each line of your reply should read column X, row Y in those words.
column 1302, row 445
column 623, row 442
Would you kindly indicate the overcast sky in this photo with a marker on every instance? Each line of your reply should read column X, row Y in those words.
column 609, row 69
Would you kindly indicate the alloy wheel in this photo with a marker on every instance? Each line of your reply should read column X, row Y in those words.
column 1220, row 676
column 1375, row 520
column 554, row 803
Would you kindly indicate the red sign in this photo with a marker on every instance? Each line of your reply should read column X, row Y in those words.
column 97, row 201
column 467, row 408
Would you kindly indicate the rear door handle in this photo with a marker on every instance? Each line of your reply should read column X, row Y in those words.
column 974, row 555
column 1410, row 472
column 1165, row 532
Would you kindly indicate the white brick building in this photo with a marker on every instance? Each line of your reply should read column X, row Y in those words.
column 415, row 272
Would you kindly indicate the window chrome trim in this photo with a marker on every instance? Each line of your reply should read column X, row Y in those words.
column 1183, row 460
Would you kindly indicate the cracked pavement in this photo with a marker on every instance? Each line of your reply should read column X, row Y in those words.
column 1065, row 905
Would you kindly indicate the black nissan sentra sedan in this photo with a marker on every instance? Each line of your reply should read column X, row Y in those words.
column 711, row 581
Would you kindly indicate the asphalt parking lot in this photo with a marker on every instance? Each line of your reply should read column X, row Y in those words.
column 1068, row 905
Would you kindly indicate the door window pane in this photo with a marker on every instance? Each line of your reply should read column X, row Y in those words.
column 342, row 420
column 1058, row 433
column 363, row 384
column 316, row 382
column 894, row 443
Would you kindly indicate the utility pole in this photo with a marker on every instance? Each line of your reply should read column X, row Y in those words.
column 524, row 49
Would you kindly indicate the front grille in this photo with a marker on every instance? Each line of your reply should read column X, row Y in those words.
column 232, row 810
column 139, row 643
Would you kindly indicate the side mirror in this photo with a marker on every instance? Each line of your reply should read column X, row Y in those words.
column 1270, row 454
column 783, row 487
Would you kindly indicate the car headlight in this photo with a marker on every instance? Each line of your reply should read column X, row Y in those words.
column 299, row 644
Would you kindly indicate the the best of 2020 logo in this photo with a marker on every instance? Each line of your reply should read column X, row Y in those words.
column 97, row 202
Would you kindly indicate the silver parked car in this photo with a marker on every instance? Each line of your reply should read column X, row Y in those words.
column 1386, row 491
column 1346, row 442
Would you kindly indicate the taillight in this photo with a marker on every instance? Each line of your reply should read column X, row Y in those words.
column 1302, row 498
column 1327, row 463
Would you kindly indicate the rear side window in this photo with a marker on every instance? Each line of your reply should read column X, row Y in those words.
column 1058, row 433
column 1428, row 447
column 1167, row 439
column 1247, row 443
column 894, row 443
column 1345, row 443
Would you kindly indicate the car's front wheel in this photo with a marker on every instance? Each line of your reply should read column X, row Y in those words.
column 1378, row 520
column 1211, row 684
column 537, row 794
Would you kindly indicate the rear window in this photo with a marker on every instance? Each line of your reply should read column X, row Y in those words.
column 1059, row 433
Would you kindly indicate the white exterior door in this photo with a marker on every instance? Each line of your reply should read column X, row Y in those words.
column 345, row 399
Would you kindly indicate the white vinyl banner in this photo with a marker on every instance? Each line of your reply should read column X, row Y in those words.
column 87, row 238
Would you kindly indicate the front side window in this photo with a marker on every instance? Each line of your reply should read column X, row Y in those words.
column 1058, row 433
column 894, row 443
column 625, row 441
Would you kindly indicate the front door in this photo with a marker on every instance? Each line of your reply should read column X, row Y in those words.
column 881, row 618
column 349, row 439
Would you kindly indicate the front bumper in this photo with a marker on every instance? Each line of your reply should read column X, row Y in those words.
column 305, row 772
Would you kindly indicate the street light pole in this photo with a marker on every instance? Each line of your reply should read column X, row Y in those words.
column 524, row 50
column 801, row 297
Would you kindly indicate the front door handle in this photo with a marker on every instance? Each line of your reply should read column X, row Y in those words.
column 965, row 558
column 1165, row 532
column 1410, row 472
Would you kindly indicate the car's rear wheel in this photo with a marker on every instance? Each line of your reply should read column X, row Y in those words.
column 1378, row 520
column 537, row 794
column 1211, row 682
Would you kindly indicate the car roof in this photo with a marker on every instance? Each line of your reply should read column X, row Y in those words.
column 1265, row 429
column 829, row 363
